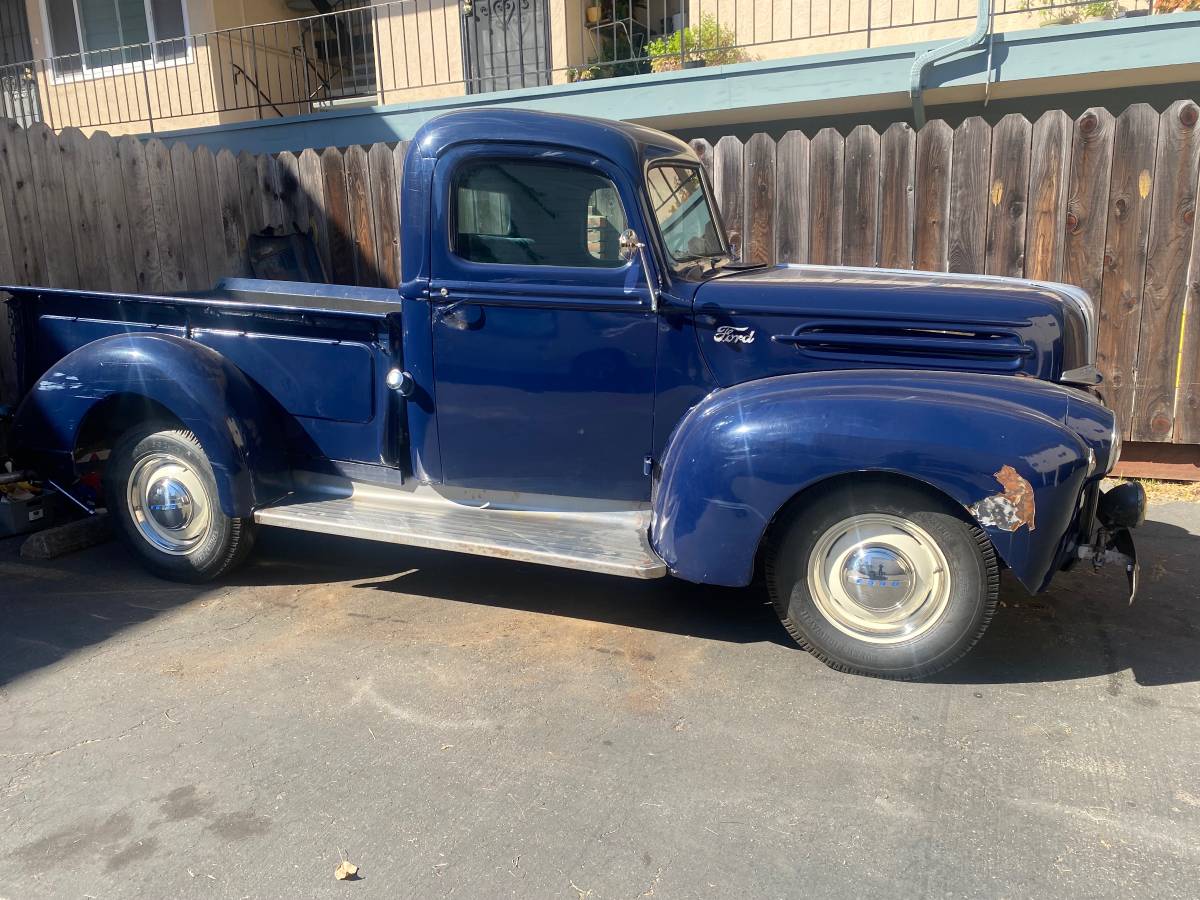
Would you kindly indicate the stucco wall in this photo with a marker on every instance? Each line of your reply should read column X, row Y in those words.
column 186, row 92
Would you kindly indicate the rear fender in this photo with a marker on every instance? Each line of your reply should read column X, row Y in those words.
column 995, row 445
column 233, row 420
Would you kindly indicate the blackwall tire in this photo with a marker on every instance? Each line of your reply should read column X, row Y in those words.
column 160, row 490
column 882, row 579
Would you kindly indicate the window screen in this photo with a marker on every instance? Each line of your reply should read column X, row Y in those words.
column 535, row 213
column 64, row 38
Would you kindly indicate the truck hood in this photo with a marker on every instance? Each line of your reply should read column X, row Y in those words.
column 776, row 320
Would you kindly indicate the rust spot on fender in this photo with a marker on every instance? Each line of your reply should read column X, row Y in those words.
column 1011, row 508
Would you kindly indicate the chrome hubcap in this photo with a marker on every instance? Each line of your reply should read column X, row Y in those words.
column 879, row 578
column 169, row 503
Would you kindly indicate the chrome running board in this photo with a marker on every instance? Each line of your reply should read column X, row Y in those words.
column 588, row 535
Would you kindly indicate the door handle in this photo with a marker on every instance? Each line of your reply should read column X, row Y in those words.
column 461, row 315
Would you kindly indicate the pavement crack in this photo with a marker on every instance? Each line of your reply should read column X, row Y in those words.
column 38, row 755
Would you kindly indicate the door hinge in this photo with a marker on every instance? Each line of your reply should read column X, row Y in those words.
column 647, row 465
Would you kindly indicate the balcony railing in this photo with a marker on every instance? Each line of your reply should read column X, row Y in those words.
column 408, row 50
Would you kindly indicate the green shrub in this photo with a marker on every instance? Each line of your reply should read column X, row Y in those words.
column 709, row 41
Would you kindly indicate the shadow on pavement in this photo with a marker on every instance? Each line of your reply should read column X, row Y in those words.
column 1082, row 627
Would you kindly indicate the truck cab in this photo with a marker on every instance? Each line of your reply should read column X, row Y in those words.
column 577, row 370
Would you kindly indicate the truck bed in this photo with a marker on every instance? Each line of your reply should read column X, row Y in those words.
column 320, row 351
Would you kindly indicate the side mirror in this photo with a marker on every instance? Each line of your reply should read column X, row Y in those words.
column 735, row 245
column 628, row 245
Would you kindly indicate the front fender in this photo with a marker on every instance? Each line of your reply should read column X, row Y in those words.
column 985, row 441
column 229, row 415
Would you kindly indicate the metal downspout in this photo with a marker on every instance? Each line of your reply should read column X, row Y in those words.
column 983, row 22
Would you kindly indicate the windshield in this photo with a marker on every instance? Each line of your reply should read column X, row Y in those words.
column 686, row 220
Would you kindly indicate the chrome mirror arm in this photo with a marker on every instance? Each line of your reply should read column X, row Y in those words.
column 630, row 244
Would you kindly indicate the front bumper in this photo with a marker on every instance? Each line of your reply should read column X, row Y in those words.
column 1118, row 512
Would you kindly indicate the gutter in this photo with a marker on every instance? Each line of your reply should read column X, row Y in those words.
column 983, row 22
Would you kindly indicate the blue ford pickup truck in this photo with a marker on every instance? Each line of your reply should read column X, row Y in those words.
column 576, row 370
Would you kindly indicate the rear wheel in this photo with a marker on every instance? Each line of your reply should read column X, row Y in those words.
column 883, row 579
column 160, row 488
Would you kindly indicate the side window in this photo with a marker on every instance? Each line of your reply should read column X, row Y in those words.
column 536, row 213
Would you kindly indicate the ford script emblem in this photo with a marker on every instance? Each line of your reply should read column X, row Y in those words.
column 734, row 334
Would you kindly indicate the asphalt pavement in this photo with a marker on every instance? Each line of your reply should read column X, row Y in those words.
column 480, row 728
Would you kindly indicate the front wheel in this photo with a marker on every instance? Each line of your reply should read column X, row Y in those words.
column 160, row 488
column 883, row 579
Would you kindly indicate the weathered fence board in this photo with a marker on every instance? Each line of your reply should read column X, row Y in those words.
column 860, row 198
column 791, row 198
column 970, row 193
column 337, row 215
column 385, row 196
column 140, row 207
column 268, row 189
column 19, row 206
column 250, row 188
column 85, row 224
column 1049, row 175
column 194, row 252
column 362, row 222
column 1008, row 197
column 293, row 200
column 931, row 241
column 1172, row 219
column 728, row 161
column 1134, row 141
column 313, row 184
column 166, row 216
column 112, row 216
column 53, row 208
column 897, row 148
column 1087, row 200
column 825, row 180
column 760, row 189
column 208, row 204
column 7, row 275
column 233, row 221
column 1187, row 392
column 703, row 149
column 1107, row 203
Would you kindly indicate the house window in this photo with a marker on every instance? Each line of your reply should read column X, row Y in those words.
column 97, row 34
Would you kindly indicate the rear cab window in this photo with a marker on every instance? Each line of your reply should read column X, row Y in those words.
column 535, row 213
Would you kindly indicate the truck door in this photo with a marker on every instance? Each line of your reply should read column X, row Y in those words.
column 543, row 337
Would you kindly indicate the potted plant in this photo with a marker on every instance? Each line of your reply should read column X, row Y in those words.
column 708, row 43
column 1051, row 13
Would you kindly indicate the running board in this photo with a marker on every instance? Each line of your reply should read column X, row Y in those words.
column 612, row 541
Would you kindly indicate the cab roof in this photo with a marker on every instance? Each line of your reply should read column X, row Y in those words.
column 625, row 144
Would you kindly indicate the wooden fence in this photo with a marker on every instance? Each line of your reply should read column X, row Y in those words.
column 1107, row 203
